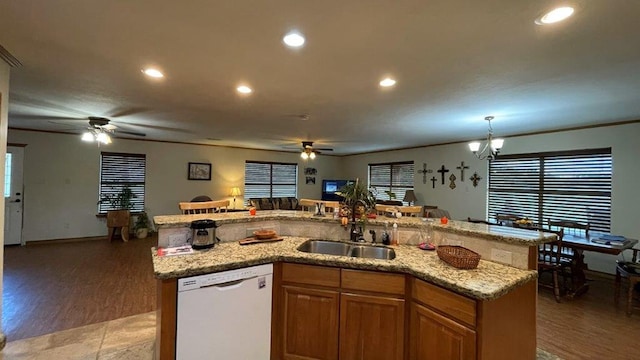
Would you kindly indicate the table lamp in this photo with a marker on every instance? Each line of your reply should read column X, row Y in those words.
column 235, row 191
column 410, row 197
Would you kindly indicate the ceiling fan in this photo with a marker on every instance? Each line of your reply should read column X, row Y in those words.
column 309, row 152
column 99, row 130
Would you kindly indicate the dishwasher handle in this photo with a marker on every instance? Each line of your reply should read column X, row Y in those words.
column 230, row 285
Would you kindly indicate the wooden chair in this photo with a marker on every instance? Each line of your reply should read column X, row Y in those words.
column 479, row 221
column 629, row 270
column 412, row 211
column 550, row 259
column 382, row 209
column 570, row 227
column 308, row 204
column 332, row 206
column 204, row 207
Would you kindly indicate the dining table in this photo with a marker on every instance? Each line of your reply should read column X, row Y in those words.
column 593, row 242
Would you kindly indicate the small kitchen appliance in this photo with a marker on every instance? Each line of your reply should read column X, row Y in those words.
column 203, row 234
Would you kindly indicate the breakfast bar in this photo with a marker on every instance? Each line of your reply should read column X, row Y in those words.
column 422, row 307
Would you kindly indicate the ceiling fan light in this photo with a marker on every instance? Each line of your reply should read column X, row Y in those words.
column 312, row 155
column 103, row 138
column 496, row 144
column 474, row 146
column 304, row 155
column 88, row 137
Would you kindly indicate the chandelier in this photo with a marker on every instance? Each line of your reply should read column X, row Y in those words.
column 97, row 134
column 491, row 148
column 308, row 153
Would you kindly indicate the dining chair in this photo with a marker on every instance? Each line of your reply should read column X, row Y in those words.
column 629, row 270
column 204, row 207
column 331, row 206
column 570, row 227
column 308, row 204
column 550, row 260
column 411, row 211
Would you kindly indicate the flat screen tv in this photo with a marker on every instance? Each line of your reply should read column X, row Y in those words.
column 329, row 187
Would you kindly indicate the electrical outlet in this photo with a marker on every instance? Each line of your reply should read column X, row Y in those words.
column 501, row 256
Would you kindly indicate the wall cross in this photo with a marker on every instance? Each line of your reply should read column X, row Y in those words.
column 424, row 172
column 442, row 171
column 461, row 168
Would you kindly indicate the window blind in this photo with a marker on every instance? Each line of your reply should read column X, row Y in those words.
column 270, row 179
column 573, row 185
column 119, row 170
column 394, row 177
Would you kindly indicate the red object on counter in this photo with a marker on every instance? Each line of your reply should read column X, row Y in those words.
column 444, row 220
column 252, row 211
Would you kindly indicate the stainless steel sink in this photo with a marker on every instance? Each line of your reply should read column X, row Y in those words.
column 325, row 247
column 343, row 249
column 373, row 252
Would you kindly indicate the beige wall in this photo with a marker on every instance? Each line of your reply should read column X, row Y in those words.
column 61, row 175
column 467, row 201
column 4, row 108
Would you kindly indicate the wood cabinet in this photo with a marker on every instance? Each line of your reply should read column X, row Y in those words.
column 435, row 337
column 331, row 313
column 310, row 322
column 371, row 327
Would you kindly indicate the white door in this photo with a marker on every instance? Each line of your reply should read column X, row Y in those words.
column 13, row 196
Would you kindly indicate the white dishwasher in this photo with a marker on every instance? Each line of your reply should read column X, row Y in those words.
column 225, row 315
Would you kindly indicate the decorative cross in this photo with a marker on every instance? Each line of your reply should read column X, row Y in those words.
column 452, row 184
column 442, row 171
column 433, row 182
column 475, row 178
column 424, row 172
column 461, row 168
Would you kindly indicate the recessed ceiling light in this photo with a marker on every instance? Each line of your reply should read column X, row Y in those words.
column 387, row 82
column 555, row 15
column 243, row 89
column 154, row 73
column 293, row 39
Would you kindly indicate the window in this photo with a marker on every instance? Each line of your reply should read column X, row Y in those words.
column 574, row 185
column 7, row 175
column 118, row 170
column 394, row 177
column 269, row 179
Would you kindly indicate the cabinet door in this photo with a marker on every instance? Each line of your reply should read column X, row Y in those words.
column 436, row 337
column 371, row 327
column 310, row 323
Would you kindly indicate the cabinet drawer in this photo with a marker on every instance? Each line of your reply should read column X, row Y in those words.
column 454, row 305
column 373, row 281
column 311, row 275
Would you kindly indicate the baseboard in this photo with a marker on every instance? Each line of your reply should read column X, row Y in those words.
column 68, row 240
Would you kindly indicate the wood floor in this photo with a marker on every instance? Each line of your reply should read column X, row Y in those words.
column 60, row 286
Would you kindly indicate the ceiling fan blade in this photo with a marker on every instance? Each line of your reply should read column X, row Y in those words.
column 324, row 149
column 134, row 133
column 43, row 117
column 127, row 111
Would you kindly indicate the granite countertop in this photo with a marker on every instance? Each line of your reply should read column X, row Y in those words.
column 488, row 281
column 504, row 234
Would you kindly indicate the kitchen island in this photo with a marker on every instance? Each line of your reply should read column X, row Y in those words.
column 425, row 309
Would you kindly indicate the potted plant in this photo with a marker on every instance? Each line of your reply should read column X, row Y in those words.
column 357, row 191
column 119, row 213
column 141, row 226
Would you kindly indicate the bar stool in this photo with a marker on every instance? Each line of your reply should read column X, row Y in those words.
column 631, row 271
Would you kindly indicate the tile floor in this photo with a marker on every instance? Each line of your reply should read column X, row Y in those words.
column 130, row 338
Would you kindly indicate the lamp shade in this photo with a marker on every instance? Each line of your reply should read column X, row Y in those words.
column 235, row 191
column 410, row 197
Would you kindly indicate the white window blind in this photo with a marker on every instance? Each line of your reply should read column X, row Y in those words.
column 118, row 170
column 573, row 185
column 269, row 179
column 394, row 177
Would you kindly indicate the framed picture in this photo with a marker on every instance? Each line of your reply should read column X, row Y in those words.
column 199, row 171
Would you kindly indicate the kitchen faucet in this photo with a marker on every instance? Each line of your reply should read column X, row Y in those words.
column 356, row 230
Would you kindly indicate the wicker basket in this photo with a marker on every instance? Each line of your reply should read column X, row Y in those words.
column 264, row 234
column 458, row 256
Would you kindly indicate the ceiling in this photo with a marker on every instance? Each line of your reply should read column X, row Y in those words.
column 455, row 62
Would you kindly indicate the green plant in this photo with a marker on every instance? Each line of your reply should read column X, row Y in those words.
column 391, row 194
column 354, row 191
column 120, row 200
column 142, row 221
